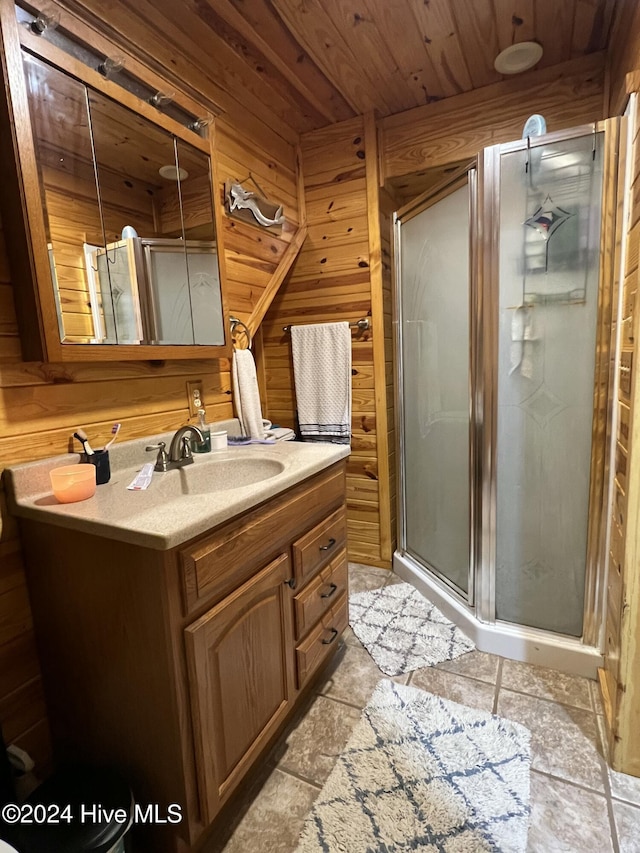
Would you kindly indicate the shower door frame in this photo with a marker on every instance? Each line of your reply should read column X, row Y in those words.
column 582, row 654
column 464, row 176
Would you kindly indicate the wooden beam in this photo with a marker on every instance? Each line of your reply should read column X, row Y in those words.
column 377, row 318
column 302, row 204
column 268, row 294
column 326, row 102
column 315, row 31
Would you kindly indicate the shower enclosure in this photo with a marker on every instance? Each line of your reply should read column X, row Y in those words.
column 503, row 330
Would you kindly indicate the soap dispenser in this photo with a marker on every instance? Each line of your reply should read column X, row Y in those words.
column 204, row 446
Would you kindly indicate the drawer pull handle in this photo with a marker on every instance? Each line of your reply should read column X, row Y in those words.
column 329, row 545
column 291, row 583
column 334, row 634
column 332, row 588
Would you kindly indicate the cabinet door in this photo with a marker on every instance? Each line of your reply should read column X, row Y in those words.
column 240, row 659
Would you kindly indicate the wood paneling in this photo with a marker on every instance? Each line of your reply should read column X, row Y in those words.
column 298, row 66
column 257, row 259
column 623, row 55
column 338, row 276
column 455, row 129
column 42, row 404
column 619, row 678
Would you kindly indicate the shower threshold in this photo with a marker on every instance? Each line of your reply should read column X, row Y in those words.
column 517, row 642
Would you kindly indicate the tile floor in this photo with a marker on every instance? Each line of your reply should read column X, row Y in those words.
column 578, row 804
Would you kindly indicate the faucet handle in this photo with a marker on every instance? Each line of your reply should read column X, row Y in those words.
column 162, row 461
column 185, row 452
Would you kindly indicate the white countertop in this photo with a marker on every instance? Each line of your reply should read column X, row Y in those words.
column 162, row 516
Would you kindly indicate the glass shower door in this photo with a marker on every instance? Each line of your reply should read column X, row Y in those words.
column 550, row 212
column 432, row 241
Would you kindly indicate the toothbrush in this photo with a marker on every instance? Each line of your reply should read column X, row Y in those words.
column 81, row 435
column 115, row 429
column 242, row 440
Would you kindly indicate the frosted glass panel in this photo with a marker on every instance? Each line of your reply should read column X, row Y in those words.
column 186, row 297
column 548, row 301
column 434, row 248
column 117, row 282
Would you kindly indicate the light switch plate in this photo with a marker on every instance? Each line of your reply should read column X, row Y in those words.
column 194, row 396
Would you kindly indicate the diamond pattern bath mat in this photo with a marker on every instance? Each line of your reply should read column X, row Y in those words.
column 423, row 773
column 402, row 631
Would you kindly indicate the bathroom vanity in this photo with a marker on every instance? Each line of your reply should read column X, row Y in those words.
column 179, row 660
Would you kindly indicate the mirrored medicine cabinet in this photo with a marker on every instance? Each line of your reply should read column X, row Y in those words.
column 111, row 220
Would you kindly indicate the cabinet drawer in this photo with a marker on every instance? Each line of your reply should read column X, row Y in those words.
column 319, row 545
column 318, row 596
column 310, row 653
column 216, row 564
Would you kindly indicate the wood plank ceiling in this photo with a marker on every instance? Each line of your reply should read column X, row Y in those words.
column 302, row 64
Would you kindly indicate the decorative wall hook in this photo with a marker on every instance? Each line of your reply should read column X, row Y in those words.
column 240, row 200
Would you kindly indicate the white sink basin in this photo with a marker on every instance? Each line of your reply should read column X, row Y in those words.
column 214, row 475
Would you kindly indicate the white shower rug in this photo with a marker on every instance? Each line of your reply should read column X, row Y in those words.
column 424, row 773
column 402, row 631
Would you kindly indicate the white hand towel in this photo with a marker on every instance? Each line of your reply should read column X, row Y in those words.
column 246, row 395
column 322, row 373
column 281, row 433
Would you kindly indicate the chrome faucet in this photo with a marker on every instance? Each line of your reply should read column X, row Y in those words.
column 179, row 453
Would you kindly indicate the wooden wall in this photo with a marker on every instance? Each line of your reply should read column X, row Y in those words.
column 338, row 276
column 455, row 129
column 42, row 404
column 623, row 55
column 619, row 679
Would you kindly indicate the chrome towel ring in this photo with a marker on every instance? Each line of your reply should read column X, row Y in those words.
column 234, row 322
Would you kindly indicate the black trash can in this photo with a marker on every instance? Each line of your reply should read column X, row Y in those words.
column 76, row 810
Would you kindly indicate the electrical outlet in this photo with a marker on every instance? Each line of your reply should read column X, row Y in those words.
column 194, row 396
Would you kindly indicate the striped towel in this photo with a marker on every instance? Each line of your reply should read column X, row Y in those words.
column 322, row 373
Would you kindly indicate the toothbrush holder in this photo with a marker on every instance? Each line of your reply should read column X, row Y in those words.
column 99, row 458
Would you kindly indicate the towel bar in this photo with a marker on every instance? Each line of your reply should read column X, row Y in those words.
column 363, row 324
column 234, row 322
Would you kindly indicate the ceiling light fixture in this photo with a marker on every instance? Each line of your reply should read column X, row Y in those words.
column 173, row 173
column 518, row 57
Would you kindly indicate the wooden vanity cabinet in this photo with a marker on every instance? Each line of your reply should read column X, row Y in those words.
column 180, row 667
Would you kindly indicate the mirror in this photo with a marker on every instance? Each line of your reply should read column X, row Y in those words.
column 129, row 219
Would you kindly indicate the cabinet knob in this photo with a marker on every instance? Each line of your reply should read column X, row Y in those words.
column 329, row 544
column 332, row 588
column 334, row 634
column 291, row 583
